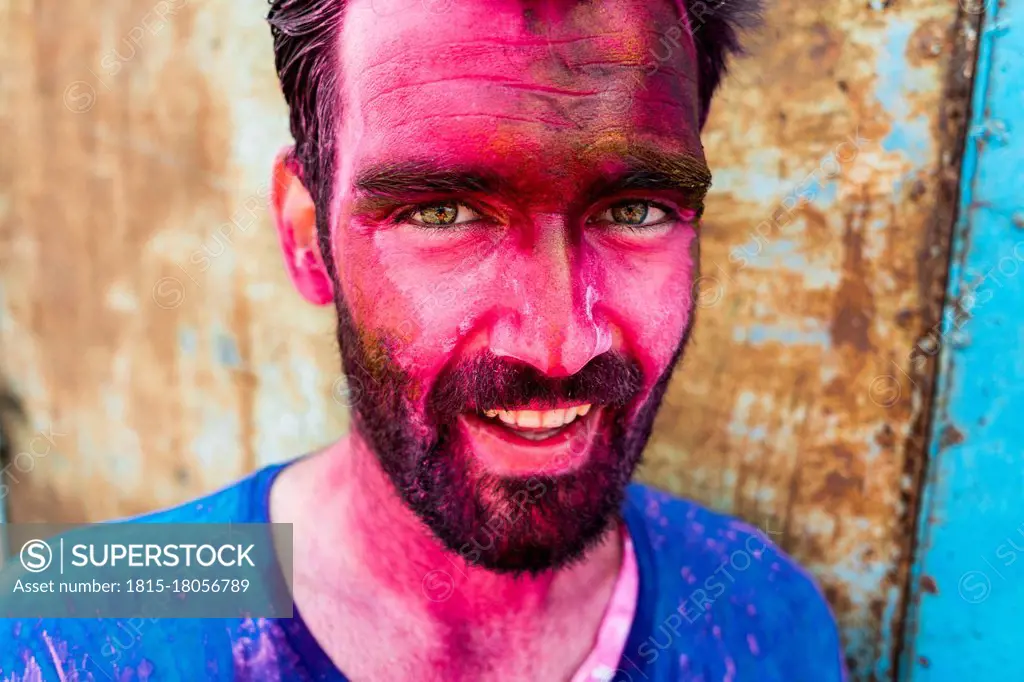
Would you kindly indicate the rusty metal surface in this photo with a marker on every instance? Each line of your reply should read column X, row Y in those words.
column 143, row 290
column 798, row 406
column 147, row 326
column 966, row 589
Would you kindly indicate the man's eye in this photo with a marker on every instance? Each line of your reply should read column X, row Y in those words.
column 443, row 214
column 634, row 214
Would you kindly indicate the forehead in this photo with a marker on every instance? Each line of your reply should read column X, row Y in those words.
column 508, row 80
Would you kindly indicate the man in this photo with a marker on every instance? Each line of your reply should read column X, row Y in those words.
column 502, row 200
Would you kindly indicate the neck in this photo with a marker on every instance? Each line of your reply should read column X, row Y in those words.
column 365, row 532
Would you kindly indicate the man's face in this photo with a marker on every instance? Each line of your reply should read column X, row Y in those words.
column 516, row 243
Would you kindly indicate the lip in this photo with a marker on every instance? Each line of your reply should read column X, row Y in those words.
column 502, row 452
column 540, row 405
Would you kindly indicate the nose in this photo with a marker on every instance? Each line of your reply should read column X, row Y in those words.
column 550, row 317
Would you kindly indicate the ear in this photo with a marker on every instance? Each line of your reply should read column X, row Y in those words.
column 295, row 217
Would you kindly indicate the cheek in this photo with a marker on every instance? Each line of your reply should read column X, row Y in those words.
column 430, row 299
column 652, row 299
column 424, row 298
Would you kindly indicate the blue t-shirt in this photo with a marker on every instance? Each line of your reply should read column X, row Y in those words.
column 717, row 602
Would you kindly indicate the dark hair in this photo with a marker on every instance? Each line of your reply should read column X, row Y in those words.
column 305, row 36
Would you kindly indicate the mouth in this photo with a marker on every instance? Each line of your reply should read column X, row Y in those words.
column 529, row 441
column 538, row 425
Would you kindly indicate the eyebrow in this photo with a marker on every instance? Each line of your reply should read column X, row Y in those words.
column 643, row 168
column 639, row 168
column 399, row 180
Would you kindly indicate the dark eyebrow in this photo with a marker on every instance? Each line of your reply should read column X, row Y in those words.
column 637, row 168
column 642, row 168
column 410, row 178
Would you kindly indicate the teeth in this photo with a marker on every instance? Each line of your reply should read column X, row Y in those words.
column 527, row 419
column 507, row 417
column 552, row 419
column 537, row 419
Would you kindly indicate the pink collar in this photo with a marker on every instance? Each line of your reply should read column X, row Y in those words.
column 603, row 660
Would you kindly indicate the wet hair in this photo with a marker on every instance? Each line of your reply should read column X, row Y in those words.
column 305, row 34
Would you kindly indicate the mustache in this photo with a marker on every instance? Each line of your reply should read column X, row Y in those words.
column 488, row 382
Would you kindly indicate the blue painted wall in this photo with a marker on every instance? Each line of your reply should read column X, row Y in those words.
column 967, row 617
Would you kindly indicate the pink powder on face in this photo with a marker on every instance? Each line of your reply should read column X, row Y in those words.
column 544, row 113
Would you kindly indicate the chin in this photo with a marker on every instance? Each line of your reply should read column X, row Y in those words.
column 512, row 504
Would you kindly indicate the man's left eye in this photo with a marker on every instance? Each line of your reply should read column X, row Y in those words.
column 634, row 214
column 443, row 214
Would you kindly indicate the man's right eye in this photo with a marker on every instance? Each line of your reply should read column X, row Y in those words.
column 445, row 214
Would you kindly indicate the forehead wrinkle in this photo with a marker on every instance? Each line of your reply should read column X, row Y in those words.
column 670, row 103
column 593, row 72
column 499, row 81
column 461, row 51
column 416, row 55
column 606, row 47
column 539, row 120
column 389, row 58
column 593, row 55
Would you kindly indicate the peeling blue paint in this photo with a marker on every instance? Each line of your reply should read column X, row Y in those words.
column 227, row 351
column 814, row 334
column 912, row 137
column 757, row 433
column 896, row 77
column 967, row 582
column 828, row 194
column 786, row 254
column 767, row 253
column 188, row 341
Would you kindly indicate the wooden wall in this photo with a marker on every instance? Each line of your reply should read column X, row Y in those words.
column 151, row 348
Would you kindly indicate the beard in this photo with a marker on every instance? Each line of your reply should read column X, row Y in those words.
column 505, row 524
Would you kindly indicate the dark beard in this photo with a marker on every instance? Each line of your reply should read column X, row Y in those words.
column 504, row 524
